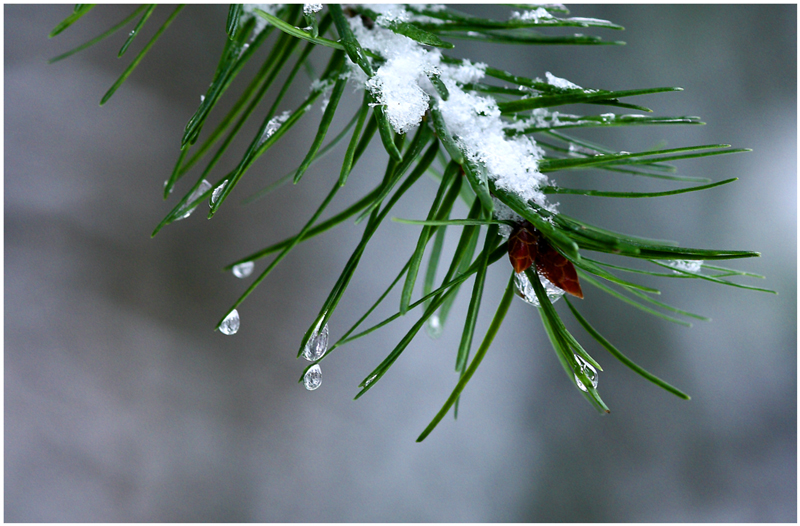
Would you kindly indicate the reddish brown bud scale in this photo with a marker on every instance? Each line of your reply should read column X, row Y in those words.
column 557, row 269
column 526, row 246
column 522, row 248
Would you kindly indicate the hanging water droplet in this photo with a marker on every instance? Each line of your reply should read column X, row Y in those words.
column 204, row 187
column 242, row 270
column 217, row 192
column 526, row 292
column 588, row 371
column 434, row 326
column 202, row 98
column 230, row 324
column 313, row 378
column 317, row 345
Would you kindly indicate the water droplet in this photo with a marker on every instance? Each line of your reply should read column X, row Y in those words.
column 202, row 98
column 317, row 345
column 526, row 292
column 588, row 371
column 217, row 192
column 242, row 270
column 313, row 378
column 434, row 326
column 230, row 324
column 204, row 187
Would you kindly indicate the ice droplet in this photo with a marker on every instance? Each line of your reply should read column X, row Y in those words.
column 317, row 345
column 217, row 192
column 588, row 371
column 242, row 270
column 434, row 326
column 313, row 378
column 230, row 324
column 526, row 292
column 200, row 190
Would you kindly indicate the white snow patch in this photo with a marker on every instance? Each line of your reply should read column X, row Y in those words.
column 401, row 86
column 396, row 83
column 274, row 125
column 534, row 15
column 687, row 265
column 476, row 126
column 559, row 82
column 310, row 9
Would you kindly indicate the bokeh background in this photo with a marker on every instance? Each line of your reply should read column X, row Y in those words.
column 123, row 404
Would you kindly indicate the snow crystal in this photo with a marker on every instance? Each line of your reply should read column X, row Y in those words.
column 396, row 84
column 321, row 85
column 542, row 118
column 466, row 72
column 404, row 102
column 389, row 13
column 274, row 124
column 310, row 9
column 559, row 82
column 534, row 16
column 586, row 21
column 693, row 265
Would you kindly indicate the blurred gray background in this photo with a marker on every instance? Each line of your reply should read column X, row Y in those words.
column 123, row 404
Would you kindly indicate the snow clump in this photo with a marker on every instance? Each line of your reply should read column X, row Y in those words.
column 400, row 84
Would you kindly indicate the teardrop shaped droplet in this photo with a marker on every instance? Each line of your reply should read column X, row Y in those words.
column 242, row 270
column 434, row 326
column 588, row 371
column 526, row 292
column 313, row 378
column 217, row 192
column 230, row 324
column 317, row 345
column 200, row 190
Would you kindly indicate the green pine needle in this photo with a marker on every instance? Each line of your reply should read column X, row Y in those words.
column 77, row 13
column 598, row 193
column 98, row 38
column 125, row 74
column 491, row 332
column 132, row 35
column 621, row 357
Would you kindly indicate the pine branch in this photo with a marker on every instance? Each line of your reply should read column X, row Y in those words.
column 490, row 137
